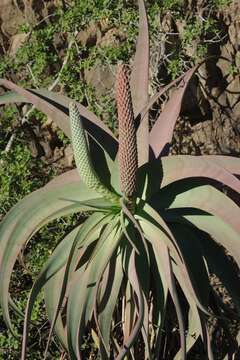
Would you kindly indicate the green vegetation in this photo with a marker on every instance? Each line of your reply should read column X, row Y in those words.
column 37, row 64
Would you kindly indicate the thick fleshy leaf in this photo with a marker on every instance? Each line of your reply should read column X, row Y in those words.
column 68, row 177
column 135, row 284
column 113, row 222
column 156, row 231
column 128, row 316
column 51, row 267
column 166, row 170
column 81, row 297
column 224, row 226
column 36, row 209
column 179, row 167
column 153, row 226
column 194, row 329
column 191, row 251
column 222, row 266
column 161, row 134
column 51, row 295
column 219, row 230
column 165, row 258
column 140, row 82
column 143, row 270
column 128, row 305
column 46, row 107
column 62, row 102
column 88, row 233
column 11, row 97
column 182, row 278
column 185, row 284
column 159, row 298
column 63, row 254
column 109, row 298
column 145, row 109
column 95, row 127
column 230, row 163
column 56, row 107
column 195, row 194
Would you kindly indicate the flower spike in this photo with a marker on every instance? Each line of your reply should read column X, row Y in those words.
column 82, row 156
column 128, row 160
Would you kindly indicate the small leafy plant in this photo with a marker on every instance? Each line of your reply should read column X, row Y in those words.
column 157, row 227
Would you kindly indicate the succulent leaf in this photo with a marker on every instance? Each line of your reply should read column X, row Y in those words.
column 140, row 83
column 56, row 107
column 160, row 136
column 37, row 209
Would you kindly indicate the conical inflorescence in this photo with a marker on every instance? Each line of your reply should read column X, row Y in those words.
column 128, row 161
column 82, row 156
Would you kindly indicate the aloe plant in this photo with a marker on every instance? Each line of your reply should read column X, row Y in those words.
column 158, row 224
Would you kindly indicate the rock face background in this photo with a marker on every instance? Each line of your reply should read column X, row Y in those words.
column 210, row 121
column 211, row 104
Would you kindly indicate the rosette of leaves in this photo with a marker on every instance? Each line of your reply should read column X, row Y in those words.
column 159, row 226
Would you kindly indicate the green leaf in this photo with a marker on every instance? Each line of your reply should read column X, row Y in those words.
column 179, row 167
column 191, row 252
column 158, row 233
column 56, row 105
column 64, row 254
column 140, row 82
column 161, row 134
column 165, row 258
column 194, row 329
column 11, row 97
column 135, row 284
column 35, row 210
column 217, row 260
column 81, row 296
column 51, row 268
column 229, row 163
column 112, row 281
column 51, row 295
column 195, row 194
column 159, row 290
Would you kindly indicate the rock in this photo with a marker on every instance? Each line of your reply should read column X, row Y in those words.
column 226, row 51
column 89, row 36
column 68, row 156
column 101, row 78
column 233, row 90
column 112, row 38
column 99, row 33
column 16, row 42
column 11, row 18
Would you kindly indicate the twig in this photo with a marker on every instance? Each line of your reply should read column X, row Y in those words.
column 65, row 60
column 216, row 39
column 55, row 83
column 27, row 113
column 8, row 146
column 32, row 75
column 10, row 142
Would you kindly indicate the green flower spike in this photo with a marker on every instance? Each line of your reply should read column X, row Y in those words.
column 82, row 156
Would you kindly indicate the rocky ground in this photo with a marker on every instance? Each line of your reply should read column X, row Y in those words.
column 210, row 121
